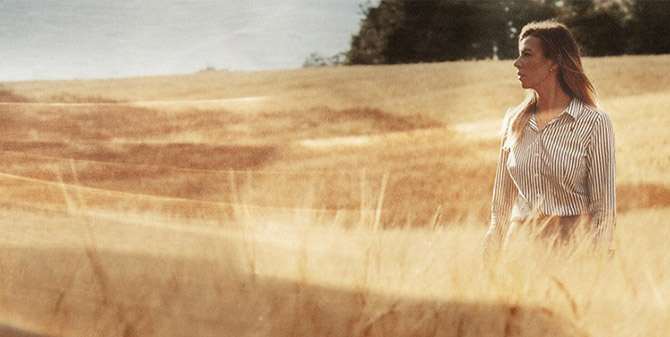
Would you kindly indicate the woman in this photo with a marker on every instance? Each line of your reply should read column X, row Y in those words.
column 556, row 170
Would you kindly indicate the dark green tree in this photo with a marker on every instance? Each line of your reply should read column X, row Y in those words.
column 408, row 31
column 370, row 45
column 650, row 27
column 404, row 31
column 514, row 14
column 436, row 31
column 600, row 27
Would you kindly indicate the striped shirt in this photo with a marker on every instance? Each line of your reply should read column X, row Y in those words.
column 565, row 169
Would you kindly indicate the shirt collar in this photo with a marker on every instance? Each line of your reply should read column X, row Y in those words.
column 574, row 108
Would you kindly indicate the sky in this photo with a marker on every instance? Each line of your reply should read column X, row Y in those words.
column 74, row 39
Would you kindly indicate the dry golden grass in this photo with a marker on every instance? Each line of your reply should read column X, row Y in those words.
column 315, row 202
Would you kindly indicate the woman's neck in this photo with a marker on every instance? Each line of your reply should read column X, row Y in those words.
column 552, row 101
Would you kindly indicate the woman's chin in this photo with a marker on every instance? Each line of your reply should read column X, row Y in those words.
column 526, row 86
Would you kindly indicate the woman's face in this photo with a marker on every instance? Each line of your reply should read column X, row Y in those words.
column 533, row 68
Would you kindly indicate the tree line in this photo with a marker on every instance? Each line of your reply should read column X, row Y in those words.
column 411, row 31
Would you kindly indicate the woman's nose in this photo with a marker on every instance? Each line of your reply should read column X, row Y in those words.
column 517, row 62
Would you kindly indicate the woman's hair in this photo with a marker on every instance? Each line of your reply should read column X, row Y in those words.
column 558, row 45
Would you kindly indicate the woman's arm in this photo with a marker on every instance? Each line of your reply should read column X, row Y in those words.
column 601, row 166
column 504, row 193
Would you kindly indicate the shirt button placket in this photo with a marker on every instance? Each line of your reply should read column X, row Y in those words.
column 536, row 176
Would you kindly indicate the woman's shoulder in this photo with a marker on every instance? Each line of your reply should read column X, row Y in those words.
column 591, row 113
column 595, row 119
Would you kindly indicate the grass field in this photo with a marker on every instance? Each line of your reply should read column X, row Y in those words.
column 316, row 202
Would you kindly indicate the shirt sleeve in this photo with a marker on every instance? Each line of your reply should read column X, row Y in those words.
column 601, row 164
column 504, row 193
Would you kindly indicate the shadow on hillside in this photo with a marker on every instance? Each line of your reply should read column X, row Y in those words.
column 75, row 99
column 312, row 310
column 182, row 155
column 642, row 196
column 378, row 121
column 121, row 290
column 10, row 97
column 10, row 331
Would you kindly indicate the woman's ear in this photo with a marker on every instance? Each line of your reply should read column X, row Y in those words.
column 552, row 65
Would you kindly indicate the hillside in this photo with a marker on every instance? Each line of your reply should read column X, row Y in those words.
column 127, row 201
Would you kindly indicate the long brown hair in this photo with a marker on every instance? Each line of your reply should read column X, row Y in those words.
column 559, row 45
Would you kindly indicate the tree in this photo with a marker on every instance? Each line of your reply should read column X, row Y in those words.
column 371, row 43
column 436, row 31
column 600, row 28
column 317, row 60
column 407, row 31
column 650, row 27
column 402, row 31
column 514, row 14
